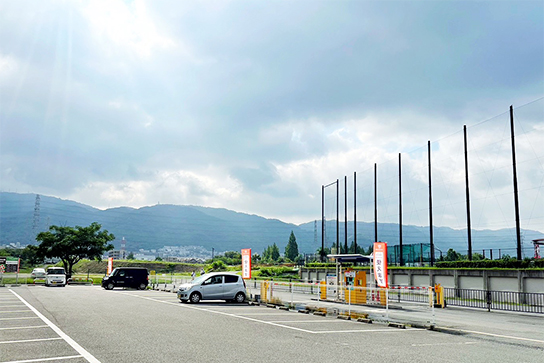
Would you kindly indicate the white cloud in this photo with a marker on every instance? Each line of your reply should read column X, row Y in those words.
column 126, row 25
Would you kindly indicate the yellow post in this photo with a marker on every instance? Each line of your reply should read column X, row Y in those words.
column 323, row 290
column 439, row 290
column 264, row 290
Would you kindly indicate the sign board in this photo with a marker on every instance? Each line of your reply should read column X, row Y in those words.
column 246, row 263
column 11, row 264
column 380, row 263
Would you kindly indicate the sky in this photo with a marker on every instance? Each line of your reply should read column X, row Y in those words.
column 253, row 106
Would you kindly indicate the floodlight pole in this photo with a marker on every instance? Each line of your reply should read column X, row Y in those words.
column 430, row 206
column 345, row 214
column 469, row 228
column 516, row 198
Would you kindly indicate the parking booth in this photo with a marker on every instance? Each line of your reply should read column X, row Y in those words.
column 353, row 283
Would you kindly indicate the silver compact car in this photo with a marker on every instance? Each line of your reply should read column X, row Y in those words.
column 214, row 286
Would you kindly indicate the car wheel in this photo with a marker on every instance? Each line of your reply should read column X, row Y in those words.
column 240, row 297
column 109, row 286
column 142, row 286
column 195, row 297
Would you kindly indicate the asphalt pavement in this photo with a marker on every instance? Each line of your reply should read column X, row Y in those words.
column 89, row 324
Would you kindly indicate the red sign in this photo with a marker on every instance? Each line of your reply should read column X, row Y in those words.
column 380, row 263
column 246, row 263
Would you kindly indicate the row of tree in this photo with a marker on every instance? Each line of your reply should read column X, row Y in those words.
column 69, row 244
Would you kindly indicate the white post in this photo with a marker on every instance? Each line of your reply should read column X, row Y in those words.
column 387, row 304
column 291, row 286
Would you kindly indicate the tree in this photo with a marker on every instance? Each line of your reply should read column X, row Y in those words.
column 291, row 250
column 271, row 253
column 74, row 244
column 130, row 256
column 452, row 255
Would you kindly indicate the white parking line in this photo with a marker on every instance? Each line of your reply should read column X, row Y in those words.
column 25, row 327
column 45, row 359
column 494, row 335
column 268, row 322
column 30, row 340
column 20, row 318
column 10, row 306
column 88, row 356
column 14, row 311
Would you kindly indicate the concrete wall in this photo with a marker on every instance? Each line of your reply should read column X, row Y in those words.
column 493, row 280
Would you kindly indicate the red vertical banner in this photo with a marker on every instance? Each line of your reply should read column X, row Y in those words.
column 380, row 263
column 110, row 265
column 246, row 263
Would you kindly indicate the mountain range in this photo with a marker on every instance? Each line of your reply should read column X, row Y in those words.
column 153, row 227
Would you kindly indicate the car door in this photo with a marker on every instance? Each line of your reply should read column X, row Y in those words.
column 230, row 287
column 120, row 278
column 212, row 288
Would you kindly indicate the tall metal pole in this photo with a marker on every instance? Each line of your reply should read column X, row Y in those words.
column 401, row 261
column 516, row 199
column 322, row 223
column 345, row 214
column 355, row 210
column 375, row 202
column 430, row 205
column 469, row 228
column 337, row 221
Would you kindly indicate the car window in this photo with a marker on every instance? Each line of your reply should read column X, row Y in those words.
column 231, row 279
column 217, row 279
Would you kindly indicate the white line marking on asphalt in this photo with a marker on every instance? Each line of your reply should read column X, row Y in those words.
column 365, row 331
column 30, row 340
column 10, row 306
column 321, row 320
column 45, row 359
column 14, row 311
column 25, row 327
column 261, row 321
column 20, row 318
column 88, row 356
column 494, row 335
column 436, row 344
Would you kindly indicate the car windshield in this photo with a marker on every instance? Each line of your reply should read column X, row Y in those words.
column 199, row 279
column 55, row 271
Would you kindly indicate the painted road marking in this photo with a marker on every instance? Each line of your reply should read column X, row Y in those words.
column 25, row 327
column 83, row 353
column 20, row 318
column 30, row 340
column 45, row 359
column 493, row 335
column 264, row 321
column 437, row 344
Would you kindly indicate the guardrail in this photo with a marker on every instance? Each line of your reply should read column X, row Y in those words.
column 527, row 302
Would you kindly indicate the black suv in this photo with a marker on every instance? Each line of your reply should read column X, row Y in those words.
column 135, row 277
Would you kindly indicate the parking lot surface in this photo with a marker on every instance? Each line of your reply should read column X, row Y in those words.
column 89, row 324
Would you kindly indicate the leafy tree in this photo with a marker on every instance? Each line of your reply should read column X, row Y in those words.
column 74, row 244
column 452, row 255
column 271, row 253
column 323, row 253
column 30, row 255
column 158, row 258
column 256, row 258
column 130, row 256
column 291, row 250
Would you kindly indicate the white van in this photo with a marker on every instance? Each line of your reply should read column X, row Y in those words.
column 55, row 276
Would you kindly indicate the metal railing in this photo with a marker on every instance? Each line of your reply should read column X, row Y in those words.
column 527, row 302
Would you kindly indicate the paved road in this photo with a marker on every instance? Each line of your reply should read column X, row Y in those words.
column 89, row 324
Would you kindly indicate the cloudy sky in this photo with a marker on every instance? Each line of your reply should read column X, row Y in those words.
column 254, row 105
